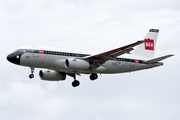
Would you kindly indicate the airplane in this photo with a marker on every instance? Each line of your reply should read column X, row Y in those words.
column 62, row 63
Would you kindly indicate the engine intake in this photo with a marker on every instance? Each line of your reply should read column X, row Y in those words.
column 51, row 75
column 76, row 64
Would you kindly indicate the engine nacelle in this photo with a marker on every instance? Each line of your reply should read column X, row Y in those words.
column 60, row 63
column 73, row 63
column 51, row 75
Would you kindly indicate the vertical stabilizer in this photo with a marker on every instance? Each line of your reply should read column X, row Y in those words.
column 147, row 49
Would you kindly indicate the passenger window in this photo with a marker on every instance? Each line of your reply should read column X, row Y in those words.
column 36, row 51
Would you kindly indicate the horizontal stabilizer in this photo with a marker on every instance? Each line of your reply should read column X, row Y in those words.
column 158, row 59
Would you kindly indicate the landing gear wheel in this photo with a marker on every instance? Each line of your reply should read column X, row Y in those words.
column 75, row 83
column 31, row 76
column 32, row 71
column 93, row 76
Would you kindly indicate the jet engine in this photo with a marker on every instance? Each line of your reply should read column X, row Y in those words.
column 51, row 75
column 60, row 63
column 74, row 63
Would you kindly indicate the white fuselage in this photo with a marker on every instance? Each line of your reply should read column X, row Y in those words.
column 55, row 60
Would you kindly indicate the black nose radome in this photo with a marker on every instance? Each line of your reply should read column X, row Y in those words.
column 14, row 58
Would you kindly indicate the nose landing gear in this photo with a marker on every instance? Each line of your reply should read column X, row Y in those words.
column 31, row 76
column 32, row 71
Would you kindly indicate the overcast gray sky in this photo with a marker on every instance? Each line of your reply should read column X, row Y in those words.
column 92, row 25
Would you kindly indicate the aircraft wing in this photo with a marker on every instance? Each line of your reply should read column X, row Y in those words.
column 112, row 54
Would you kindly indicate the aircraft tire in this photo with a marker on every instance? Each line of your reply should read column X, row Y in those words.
column 93, row 76
column 31, row 76
column 75, row 83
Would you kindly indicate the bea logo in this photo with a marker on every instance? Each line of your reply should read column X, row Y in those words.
column 149, row 44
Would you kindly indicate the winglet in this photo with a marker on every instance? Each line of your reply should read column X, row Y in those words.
column 158, row 59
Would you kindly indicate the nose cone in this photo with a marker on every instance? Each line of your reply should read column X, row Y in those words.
column 14, row 58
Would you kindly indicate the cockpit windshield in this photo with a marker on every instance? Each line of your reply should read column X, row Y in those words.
column 20, row 50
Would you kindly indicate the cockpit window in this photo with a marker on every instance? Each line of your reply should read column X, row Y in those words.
column 20, row 50
column 16, row 51
column 28, row 50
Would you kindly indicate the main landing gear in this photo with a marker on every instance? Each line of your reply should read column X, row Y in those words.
column 93, row 76
column 32, row 71
column 76, row 83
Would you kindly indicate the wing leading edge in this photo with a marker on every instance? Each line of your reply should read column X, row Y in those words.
column 115, row 52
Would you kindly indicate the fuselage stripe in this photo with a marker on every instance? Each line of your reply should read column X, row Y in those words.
column 82, row 55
